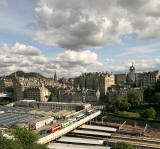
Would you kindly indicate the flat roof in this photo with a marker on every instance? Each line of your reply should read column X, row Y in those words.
column 94, row 127
column 80, row 140
column 9, row 119
column 54, row 102
column 91, row 132
column 3, row 95
column 73, row 146
column 38, row 119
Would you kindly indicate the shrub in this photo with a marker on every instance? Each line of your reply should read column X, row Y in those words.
column 149, row 113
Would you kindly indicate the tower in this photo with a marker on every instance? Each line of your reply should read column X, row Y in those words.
column 55, row 76
column 132, row 75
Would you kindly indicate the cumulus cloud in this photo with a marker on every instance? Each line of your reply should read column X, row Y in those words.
column 3, row 3
column 29, row 58
column 22, row 49
column 71, row 59
column 77, row 25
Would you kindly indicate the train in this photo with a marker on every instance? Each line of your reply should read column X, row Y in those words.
column 66, row 124
column 52, row 130
column 89, row 112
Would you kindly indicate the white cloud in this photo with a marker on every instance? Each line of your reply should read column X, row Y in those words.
column 72, row 58
column 29, row 58
column 141, row 65
column 22, row 49
column 3, row 3
column 67, row 63
column 77, row 25
column 140, row 49
column 109, row 60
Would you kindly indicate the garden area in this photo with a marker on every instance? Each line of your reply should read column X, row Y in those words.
column 137, row 105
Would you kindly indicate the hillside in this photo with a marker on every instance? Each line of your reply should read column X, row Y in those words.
column 26, row 75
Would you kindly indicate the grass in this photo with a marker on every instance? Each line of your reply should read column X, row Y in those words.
column 128, row 114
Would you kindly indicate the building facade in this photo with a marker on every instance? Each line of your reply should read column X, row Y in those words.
column 53, row 105
column 37, row 93
column 95, row 81
column 147, row 79
column 30, row 88
column 120, row 78
column 132, row 75
column 5, row 84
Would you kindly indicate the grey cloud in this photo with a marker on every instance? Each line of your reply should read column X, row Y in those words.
column 77, row 25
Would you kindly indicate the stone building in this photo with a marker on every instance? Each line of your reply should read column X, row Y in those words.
column 140, row 80
column 132, row 75
column 18, row 90
column 116, row 91
column 53, row 105
column 37, row 93
column 120, row 78
column 147, row 79
column 30, row 88
column 95, row 81
column 77, row 95
column 5, row 84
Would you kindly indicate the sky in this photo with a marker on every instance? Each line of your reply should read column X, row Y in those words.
column 71, row 37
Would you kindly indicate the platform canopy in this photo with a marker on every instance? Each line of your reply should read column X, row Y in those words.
column 3, row 95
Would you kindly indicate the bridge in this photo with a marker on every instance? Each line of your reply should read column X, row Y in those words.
column 60, row 133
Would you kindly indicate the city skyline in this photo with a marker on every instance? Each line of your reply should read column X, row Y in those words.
column 73, row 37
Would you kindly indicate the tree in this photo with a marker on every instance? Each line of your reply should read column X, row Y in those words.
column 9, row 144
column 26, row 137
column 122, row 104
column 149, row 94
column 149, row 113
column 135, row 98
column 157, row 98
column 157, row 86
column 122, row 145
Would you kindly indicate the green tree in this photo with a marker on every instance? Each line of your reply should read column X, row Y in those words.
column 122, row 104
column 157, row 98
column 149, row 113
column 135, row 98
column 37, row 146
column 9, row 144
column 26, row 137
column 157, row 86
column 122, row 145
column 149, row 95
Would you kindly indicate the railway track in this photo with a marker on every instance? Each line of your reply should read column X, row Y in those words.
column 136, row 143
column 133, row 138
column 143, row 142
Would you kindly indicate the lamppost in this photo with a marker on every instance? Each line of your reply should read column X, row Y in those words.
column 103, row 118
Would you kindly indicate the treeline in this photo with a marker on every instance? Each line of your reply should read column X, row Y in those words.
column 152, row 94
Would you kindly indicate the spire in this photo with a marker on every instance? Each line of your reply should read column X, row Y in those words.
column 55, row 76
